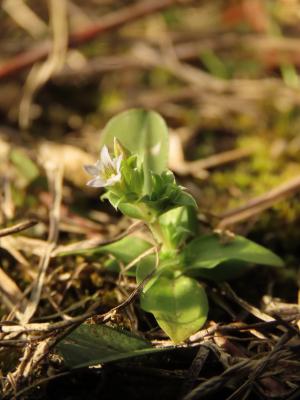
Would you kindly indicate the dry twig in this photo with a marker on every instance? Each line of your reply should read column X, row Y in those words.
column 108, row 23
column 21, row 226
column 260, row 203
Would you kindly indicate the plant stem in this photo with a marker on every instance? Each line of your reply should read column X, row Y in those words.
column 159, row 236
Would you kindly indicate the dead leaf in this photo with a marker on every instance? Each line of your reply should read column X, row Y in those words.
column 72, row 158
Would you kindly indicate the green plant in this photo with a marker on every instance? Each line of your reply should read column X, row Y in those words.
column 138, row 183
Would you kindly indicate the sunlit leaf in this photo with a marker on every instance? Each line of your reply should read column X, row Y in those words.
column 179, row 305
column 132, row 210
column 143, row 133
column 185, row 199
column 209, row 251
column 178, row 224
column 124, row 249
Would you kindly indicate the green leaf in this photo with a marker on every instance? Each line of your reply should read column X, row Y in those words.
column 133, row 174
column 24, row 164
column 112, row 198
column 179, row 305
column 125, row 249
column 208, row 251
column 179, row 224
column 143, row 133
column 215, row 65
column 93, row 344
column 166, row 194
column 168, row 264
column 134, row 211
column 223, row 272
column 144, row 268
column 185, row 199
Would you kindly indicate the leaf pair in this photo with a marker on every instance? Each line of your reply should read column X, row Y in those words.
column 178, row 302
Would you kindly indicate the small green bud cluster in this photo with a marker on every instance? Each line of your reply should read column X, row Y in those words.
column 123, row 177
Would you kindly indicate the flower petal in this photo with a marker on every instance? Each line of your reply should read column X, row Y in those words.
column 113, row 179
column 91, row 169
column 117, row 162
column 98, row 165
column 96, row 182
column 105, row 157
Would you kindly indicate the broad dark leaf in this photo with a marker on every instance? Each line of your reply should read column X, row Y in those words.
column 96, row 344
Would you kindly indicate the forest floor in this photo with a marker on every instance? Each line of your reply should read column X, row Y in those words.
column 225, row 77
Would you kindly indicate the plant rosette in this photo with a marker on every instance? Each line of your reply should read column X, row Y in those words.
column 138, row 183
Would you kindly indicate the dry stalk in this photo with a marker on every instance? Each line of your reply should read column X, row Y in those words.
column 55, row 176
column 108, row 23
column 260, row 203
column 40, row 74
column 21, row 226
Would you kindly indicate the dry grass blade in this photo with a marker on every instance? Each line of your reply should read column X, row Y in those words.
column 198, row 168
column 195, row 369
column 9, row 244
column 11, row 293
column 273, row 356
column 108, row 23
column 40, row 74
column 55, row 176
column 213, row 384
column 25, row 17
column 33, row 356
column 146, row 253
column 49, row 327
column 244, row 304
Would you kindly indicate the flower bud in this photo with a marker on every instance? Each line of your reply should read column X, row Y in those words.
column 120, row 150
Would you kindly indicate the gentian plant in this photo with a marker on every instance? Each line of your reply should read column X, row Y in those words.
column 133, row 170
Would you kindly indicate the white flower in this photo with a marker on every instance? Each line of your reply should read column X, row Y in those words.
column 106, row 171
